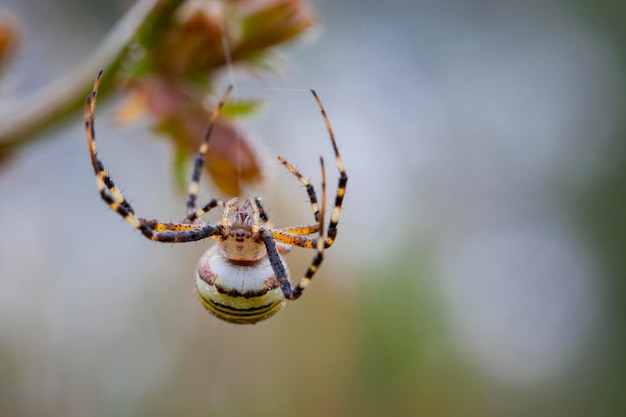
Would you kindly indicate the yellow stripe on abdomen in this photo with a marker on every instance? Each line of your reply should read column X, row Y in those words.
column 239, row 309
column 236, row 291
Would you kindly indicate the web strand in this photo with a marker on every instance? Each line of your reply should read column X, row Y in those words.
column 231, row 78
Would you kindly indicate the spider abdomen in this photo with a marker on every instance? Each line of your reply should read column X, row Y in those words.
column 242, row 292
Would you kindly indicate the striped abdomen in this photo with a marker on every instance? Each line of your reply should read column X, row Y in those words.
column 242, row 292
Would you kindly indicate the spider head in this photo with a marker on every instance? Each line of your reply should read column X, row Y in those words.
column 240, row 242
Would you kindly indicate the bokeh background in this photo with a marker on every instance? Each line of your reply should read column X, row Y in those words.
column 479, row 269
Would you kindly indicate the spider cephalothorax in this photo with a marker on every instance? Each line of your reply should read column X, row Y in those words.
column 240, row 240
column 243, row 278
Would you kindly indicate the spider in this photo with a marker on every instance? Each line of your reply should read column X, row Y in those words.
column 243, row 278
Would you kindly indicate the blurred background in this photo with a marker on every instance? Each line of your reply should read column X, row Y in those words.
column 479, row 268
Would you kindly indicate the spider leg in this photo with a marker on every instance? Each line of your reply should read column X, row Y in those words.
column 178, row 232
column 199, row 160
column 226, row 213
column 277, row 263
column 295, row 239
column 291, row 292
column 341, row 190
column 159, row 226
column 152, row 229
column 302, row 230
column 262, row 214
column 282, row 245
column 204, row 210
column 256, row 216
column 102, row 178
column 309, row 188
column 286, row 235
column 343, row 179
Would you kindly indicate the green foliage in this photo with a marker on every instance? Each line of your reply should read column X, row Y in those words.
column 241, row 107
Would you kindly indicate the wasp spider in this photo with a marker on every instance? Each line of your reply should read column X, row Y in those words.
column 241, row 279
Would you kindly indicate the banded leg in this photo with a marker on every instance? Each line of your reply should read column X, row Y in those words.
column 277, row 264
column 291, row 292
column 341, row 186
column 204, row 210
column 262, row 213
column 102, row 178
column 256, row 216
column 200, row 156
column 343, row 179
column 179, row 232
column 309, row 188
column 115, row 199
column 293, row 239
column 108, row 191
column 283, row 248
column 300, row 230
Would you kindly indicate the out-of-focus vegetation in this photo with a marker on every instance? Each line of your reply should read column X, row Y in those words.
column 479, row 268
column 166, row 53
column 9, row 37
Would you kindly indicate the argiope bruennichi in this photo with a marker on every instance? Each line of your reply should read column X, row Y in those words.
column 241, row 279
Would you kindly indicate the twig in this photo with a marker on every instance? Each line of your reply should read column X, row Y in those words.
column 31, row 115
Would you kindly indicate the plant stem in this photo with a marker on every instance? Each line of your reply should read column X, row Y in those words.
column 31, row 115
